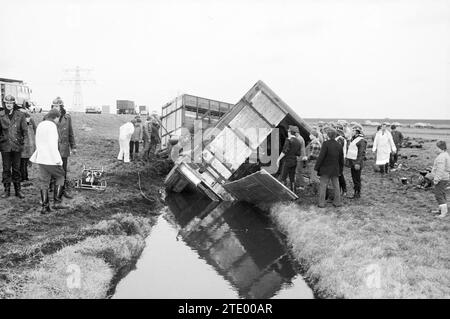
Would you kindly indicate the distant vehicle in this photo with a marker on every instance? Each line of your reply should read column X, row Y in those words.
column 16, row 88
column 182, row 111
column 93, row 110
column 125, row 107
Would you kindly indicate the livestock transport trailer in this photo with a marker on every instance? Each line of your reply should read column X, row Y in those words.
column 184, row 110
column 222, row 171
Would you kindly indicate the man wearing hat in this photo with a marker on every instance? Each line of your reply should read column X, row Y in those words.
column 355, row 155
column 291, row 150
column 66, row 142
column 13, row 130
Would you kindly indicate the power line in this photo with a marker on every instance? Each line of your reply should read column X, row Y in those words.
column 76, row 76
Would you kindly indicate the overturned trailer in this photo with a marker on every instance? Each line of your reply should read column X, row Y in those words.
column 238, row 160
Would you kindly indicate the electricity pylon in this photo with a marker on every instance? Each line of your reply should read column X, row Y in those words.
column 75, row 78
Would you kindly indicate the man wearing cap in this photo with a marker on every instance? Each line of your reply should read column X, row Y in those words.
column 291, row 150
column 66, row 141
column 355, row 155
column 13, row 130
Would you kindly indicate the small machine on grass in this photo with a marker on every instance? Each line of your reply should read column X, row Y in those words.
column 91, row 178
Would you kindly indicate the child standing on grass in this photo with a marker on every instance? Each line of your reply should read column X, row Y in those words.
column 440, row 175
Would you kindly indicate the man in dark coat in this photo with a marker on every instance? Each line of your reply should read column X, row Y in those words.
column 291, row 150
column 397, row 136
column 329, row 166
column 13, row 130
column 66, row 142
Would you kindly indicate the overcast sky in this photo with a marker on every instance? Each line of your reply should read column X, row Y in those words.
column 347, row 59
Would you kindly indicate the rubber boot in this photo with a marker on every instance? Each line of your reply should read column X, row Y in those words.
column 51, row 186
column 356, row 195
column 444, row 210
column 66, row 192
column 7, row 192
column 45, row 202
column 57, row 197
column 17, row 191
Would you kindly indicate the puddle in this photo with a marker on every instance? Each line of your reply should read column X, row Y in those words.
column 203, row 249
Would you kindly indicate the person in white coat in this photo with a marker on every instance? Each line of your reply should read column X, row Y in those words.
column 49, row 159
column 125, row 133
column 383, row 146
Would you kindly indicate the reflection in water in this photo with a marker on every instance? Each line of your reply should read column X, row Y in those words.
column 238, row 241
column 248, row 257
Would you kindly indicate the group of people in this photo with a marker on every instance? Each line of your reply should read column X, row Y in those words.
column 49, row 145
column 132, row 133
column 339, row 145
column 323, row 160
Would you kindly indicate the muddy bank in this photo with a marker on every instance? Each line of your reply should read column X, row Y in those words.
column 98, row 238
column 89, row 268
column 101, row 234
column 385, row 245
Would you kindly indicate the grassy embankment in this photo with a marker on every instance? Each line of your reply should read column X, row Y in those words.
column 385, row 245
column 96, row 239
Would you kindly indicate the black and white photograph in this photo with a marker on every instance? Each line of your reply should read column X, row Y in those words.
column 202, row 151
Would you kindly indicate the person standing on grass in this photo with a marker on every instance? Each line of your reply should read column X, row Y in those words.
column 397, row 136
column 125, row 133
column 383, row 146
column 291, row 150
column 136, row 138
column 312, row 153
column 48, row 157
column 440, row 176
column 155, row 140
column 146, row 136
column 355, row 155
column 66, row 141
column 343, row 141
column 299, row 180
column 329, row 166
column 13, row 130
column 28, row 147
